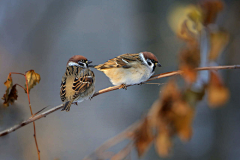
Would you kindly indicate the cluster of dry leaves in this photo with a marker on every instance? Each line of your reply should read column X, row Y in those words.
column 32, row 78
column 172, row 114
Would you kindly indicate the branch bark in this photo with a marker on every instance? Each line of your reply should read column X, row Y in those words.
column 167, row 74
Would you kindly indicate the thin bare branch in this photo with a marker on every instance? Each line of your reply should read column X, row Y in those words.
column 168, row 74
column 38, row 112
column 159, row 84
column 17, row 73
column 30, row 120
column 34, row 127
column 21, row 87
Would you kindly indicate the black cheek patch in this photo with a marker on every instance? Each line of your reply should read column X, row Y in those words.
column 154, row 68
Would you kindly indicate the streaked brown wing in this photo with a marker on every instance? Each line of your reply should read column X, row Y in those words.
column 63, row 89
column 82, row 83
column 120, row 61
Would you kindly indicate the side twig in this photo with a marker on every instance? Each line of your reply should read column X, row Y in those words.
column 168, row 74
column 21, row 87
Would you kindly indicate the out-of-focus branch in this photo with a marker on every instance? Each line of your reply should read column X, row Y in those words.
column 167, row 74
column 99, row 153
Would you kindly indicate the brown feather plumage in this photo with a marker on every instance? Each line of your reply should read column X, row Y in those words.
column 119, row 61
column 77, row 83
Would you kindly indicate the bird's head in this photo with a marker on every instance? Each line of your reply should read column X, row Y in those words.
column 150, row 59
column 80, row 61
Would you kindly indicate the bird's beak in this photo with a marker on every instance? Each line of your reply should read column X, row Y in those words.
column 158, row 64
column 92, row 66
column 89, row 61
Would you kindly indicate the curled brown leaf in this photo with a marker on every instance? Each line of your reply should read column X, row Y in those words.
column 143, row 137
column 196, row 16
column 218, row 41
column 163, row 144
column 8, row 83
column 218, row 93
column 32, row 78
column 187, row 35
column 192, row 97
column 210, row 9
column 189, row 59
column 182, row 120
column 11, row 97
column 170, row 115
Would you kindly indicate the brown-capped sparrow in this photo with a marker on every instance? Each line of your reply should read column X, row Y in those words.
column 128, row 69
column 77, row 82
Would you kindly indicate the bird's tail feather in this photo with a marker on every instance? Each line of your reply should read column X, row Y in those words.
column 67, row 106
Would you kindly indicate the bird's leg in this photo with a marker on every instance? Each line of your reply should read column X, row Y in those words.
column 123, row 86
column 90, row 98
column 140, row 83
column 75, row 103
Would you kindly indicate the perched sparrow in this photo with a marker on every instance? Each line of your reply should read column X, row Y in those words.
column 128, row 69
column 77, row 82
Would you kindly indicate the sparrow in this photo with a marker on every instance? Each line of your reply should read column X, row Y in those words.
column 77, row 82
column 129, row 69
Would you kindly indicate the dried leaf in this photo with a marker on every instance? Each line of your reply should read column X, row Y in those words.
column 187, row 35
column 185, row 17
column 182, row 120
column 196, row 16
column 169, row 93
column 192, row 97
column 218, row 41
column 143, row 137
column 189, row 74
column 210, row 9
column 218, row 94
column 163, row 144
column 153, row 114
column 33, row 78
column 11, row 97
column 170, row 115
column 8, row 84
column 189, row 59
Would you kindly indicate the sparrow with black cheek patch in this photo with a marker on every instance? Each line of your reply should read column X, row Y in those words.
column 129, row 69
column 77, row 82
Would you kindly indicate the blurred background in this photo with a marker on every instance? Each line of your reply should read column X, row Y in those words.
column 43, row 35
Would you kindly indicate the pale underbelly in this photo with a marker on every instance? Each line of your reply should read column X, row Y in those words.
column 130, row 76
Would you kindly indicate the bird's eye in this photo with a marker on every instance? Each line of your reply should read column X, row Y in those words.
column 149, row 62
column 80, row 62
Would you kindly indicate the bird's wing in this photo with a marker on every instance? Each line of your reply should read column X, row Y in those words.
column 83, row 81
column 123, row 60
column 70, row 71
column 63, row 89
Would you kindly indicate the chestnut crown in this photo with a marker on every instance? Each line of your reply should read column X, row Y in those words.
column 152, row 57
column 79, row 60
